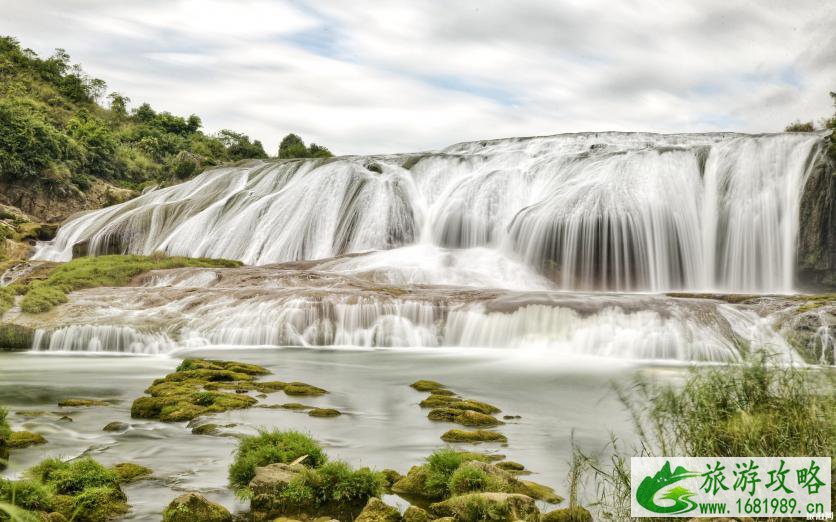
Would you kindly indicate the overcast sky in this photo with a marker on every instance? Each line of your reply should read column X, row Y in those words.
column 374, row 76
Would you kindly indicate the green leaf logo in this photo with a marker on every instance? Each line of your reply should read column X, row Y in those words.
column 681, row 497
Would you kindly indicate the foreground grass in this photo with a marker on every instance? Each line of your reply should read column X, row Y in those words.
column 91, row 272
column 750, row 410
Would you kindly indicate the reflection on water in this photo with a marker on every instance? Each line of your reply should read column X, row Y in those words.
column 382, row 425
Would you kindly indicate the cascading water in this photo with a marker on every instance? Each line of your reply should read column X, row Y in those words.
column 596, row 211
column 522, row 244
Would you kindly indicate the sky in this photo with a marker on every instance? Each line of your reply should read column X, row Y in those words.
column 366, row 77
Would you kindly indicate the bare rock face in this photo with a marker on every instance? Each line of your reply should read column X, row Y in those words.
column 55, row 204
column 817, row 228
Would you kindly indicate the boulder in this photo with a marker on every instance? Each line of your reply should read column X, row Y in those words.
column 476, row 507
column 194, row 506
column 378, row 511
column 268, row 484
column 416, row 514
column 116, row 426
column 570, row 514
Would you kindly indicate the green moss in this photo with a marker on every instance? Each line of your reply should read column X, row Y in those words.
column 300, row 388
column 426, row 386
column 91, row 272
column 324, row 412
column 473, row 437
column 295, row 406
column 570, row 514
column 206, row 429
column 510, row 465
column 7, row 298
column 14, row 337
column 193, row 390
column 378, row 511
column 270, row 447
column 477, row 406
column 463, row 417
column 479, row 507
column 438, row 401
column 24, row 439
column 130, row 472
column 76, row 403
column 469, row 478
column 333, row 483
column 95, row 504
column 193, row 507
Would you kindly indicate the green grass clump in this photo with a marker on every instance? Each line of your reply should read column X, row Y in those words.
column 441, row 465
column 5, row 429
column 26, row 494
column 332, row 483
column 755, row 409
column 271, row 447
column 92, row 272
column 71, row 478
column 469, row 478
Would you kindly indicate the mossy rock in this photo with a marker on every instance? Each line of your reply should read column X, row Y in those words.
column 570, row 514
column 510, row 465
column 443, row 392
column 324, row 412
column 130, row 472
column 270, row 386
column 478, row 507
column 390, row 476
column 540, row 492
column 24, row 439
column 82, row 403
column 300, row 388
column 192, row 507
column 99, row 503
column 378, row 511
column 416, row 514
column 295, row 406
column 413, row 484
column 14, row 337
column 212, row 364
column 206, row 429
column 477, row 406
column 438, row 401
column 426, row 386
column 473, row 437
column 463, row 417
column 116, row 426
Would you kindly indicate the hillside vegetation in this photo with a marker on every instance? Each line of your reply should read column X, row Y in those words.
column 54, row 131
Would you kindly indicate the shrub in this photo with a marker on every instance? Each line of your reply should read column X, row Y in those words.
column 270, row 447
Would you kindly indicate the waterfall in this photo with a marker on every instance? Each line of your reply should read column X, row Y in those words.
column 592, row 211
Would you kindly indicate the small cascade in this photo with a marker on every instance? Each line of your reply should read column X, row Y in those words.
column 591, row 211
column 101, row 338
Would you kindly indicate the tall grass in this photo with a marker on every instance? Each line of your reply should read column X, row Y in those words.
column 753, row 409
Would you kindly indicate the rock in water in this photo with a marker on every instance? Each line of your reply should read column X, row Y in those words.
column 192, row 507
column 378, row 511
column 476, row 506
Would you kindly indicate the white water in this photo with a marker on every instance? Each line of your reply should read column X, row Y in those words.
column 277, row 307
column 610, row 211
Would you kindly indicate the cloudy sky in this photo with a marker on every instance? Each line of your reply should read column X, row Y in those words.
column 378, row 76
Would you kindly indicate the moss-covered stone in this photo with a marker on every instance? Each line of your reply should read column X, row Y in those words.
column 115, row 426
column 477, row 406
column 324, row 412
column 390, row 477
column 300, row 388
column 416, row 514
column 378, row 511
column 426, row 386
column 438, row 401
column 473, row 437
column 295, row 406
column 195, row 389
column 14, row 337
column 539, row 492
column 130, row 472
column 570, row 514
column 413, row 484
column 463, row 417
column 192, row 507
column 206, row 429
column 81, row 403
column 97, row 504
column 478, row 507
column 510, row 465
column 443, row 392
column 24, row 439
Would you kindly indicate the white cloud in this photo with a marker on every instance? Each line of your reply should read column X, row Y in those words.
column 368, row 76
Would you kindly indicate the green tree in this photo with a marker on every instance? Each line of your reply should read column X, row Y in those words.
column 238, row 146
column 118, row 104
column 292, row 146
column 29, row 144
column 799, row 126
